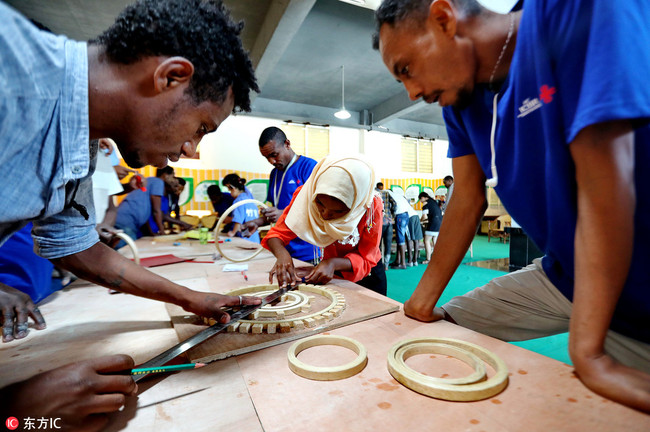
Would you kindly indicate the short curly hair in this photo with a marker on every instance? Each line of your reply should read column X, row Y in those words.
column 201, row 31
column 394, row 11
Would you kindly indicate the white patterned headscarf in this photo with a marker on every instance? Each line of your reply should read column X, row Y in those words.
column 349, row 179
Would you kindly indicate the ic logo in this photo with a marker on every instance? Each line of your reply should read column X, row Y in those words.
column 12, row 423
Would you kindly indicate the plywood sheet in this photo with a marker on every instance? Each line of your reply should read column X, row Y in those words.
column 359, row 307
column 543, row 395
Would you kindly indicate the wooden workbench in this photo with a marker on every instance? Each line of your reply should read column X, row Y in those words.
column 258, row 392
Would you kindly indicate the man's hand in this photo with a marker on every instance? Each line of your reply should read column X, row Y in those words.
column 271, row 214
column 250, row 227
column 283, row 270
column 79, row 393
column 210, row 304
column 322, row 274
column 613, row 380
column 17, row 307
column 422, row 310
column 107, row 234
column 123, row 171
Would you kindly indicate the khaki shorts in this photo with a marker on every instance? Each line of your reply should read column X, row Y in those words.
column 525, row 305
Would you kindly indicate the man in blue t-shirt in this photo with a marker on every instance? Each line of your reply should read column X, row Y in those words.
column 139, row 206
column 290, row 172
column 557, row 123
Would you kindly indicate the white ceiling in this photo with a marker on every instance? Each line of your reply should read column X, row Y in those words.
column 297, row 48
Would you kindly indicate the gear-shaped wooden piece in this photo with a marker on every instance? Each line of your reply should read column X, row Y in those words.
column 280, row 318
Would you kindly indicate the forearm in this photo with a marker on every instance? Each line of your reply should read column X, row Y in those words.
column 604, row 157
column 277, row 248
column 158, row 218
column 341, row 264
column 456, row 232
column 111, row 213
column 103, row 266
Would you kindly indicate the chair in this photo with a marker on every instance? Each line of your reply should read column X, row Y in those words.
column 496, row 228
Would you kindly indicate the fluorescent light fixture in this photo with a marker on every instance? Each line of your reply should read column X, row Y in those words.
column 342, row 113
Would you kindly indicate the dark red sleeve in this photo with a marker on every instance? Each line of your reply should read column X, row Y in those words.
column 367, row 253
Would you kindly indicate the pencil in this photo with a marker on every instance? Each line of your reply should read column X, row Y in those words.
column 171, row 368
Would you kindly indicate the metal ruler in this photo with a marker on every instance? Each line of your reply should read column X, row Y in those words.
column 202, row 336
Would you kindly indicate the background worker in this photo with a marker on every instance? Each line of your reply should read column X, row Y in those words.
column 336, row 209
column 244, row 213
column 120, row 85
column 433, row 214
column 500, row 77
column 387, row 222
column 135, row 210
column 289, row 173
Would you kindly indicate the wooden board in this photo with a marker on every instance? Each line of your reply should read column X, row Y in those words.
column 359, row 307
column 184, row 248
column 543, row 395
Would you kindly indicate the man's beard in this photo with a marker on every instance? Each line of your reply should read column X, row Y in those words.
column 132, row 159
column 464, row 98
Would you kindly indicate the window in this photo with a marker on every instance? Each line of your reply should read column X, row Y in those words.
column 409, row 155
column 417, row 155
column 311, row 141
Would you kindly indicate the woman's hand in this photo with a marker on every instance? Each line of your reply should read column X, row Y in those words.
column 284, row 271
column 323, row 273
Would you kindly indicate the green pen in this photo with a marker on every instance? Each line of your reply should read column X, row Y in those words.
column 172, row 368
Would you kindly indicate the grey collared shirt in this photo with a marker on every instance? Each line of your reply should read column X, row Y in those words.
column 44, row 137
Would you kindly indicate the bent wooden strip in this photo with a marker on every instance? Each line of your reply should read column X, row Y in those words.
column 329, row 373
column 217, row 229
column 452, row 392
column 129, row 241
column 408, row 351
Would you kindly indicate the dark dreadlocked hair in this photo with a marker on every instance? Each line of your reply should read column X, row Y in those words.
column 201, row 31
column 395, row 11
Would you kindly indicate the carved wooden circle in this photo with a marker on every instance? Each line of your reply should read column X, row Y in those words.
column 278, row 319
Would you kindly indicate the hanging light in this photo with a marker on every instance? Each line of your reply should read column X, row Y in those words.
column 342, row 113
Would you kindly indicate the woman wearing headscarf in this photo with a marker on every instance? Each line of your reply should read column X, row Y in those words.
column 336, row 209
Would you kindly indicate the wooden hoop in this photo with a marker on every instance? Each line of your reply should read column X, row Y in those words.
column 217, row 229
column 408, row 351
column 327, row 373
column 453, row 392
column 129, row 241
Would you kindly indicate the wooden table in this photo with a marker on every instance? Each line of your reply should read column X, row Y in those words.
column 258, row 392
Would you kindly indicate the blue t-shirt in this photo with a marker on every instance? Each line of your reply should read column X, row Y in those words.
column 135, row 210
column 22, row 269
column 164, row 208
column 245, row 213
column 283, row 188
column 594, row 70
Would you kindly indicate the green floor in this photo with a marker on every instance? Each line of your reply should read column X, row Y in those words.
column 402, row 283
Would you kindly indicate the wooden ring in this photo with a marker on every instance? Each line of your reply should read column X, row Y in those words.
column 328, row 373
column 129, row 241
column 408, row 351
column 452, row 392
column 217, row 229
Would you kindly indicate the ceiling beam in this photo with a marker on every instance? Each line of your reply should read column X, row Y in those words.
column 282, row 22
column 395, row 107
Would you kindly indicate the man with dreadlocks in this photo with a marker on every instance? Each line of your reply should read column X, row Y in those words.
column 164, row 75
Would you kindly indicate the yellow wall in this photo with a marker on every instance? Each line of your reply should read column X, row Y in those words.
column 406, row 182
column 200, row 175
